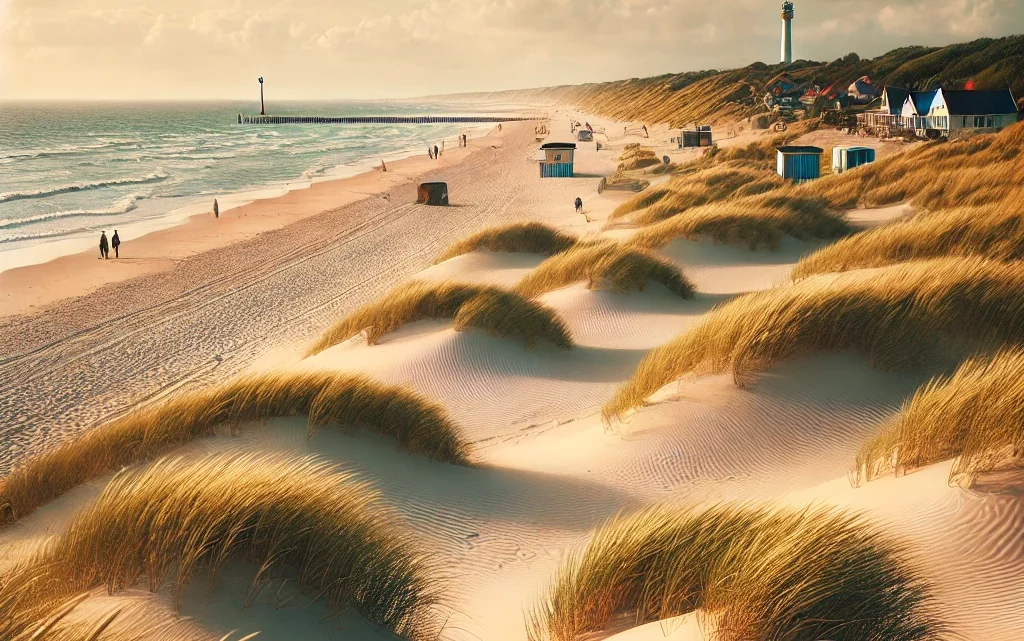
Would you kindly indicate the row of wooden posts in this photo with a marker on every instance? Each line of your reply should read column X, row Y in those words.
column 372, row 120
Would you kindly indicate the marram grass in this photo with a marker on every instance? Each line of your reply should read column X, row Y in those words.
column 499, row 312
column 993, row 231
column 759, row 573
column 352, row 401
column 976, row 416
column 899, row 317
column 289, row 516
column 529, row 238
column 604, row 264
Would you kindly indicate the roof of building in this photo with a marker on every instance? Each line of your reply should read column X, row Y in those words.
column 979, row 103
column 923, row 100
column 896, row 97
column 559, row 145
column 801, row 149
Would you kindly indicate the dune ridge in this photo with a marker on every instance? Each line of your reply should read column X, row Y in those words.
column 419, row 425
column 605, row 264
column 499, row 312
column 284, row 514
column 533, row 238
column 754, row 572
column 976, row 415
column 897, row 317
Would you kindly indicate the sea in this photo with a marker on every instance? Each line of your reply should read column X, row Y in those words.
column 69, row 171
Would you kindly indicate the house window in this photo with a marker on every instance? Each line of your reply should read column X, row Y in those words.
column 558, row 157
column 979, row 121
column 967, row 121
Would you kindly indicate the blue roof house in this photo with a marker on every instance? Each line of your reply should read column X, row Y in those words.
column 947, row 111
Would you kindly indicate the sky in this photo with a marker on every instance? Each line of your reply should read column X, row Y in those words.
column 361, row 49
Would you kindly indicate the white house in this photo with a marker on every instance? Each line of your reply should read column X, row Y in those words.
column 948, row 111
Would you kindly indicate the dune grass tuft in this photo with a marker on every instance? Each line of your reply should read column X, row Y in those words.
column 291, row 517
column 760, row 573
column 498, row 312
column 754, row 222
column 529, row 238
column 636, row 156
column 899, row 317
column 419, row 425
column 605, row 264
column 993, row 231
column 977, row 415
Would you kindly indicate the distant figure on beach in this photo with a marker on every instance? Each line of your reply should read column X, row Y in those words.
column 436, row 153
column 104, row 248
column 499, row 126
column 430, row 152
column 383, row 167
column 115, row 242
column 579, row 204
column 216, row 209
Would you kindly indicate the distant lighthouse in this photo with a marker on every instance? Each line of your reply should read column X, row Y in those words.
column 787, row 32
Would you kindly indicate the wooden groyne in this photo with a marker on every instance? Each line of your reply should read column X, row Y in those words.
column 375, row 120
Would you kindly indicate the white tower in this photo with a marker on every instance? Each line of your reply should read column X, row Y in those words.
column 787, row 32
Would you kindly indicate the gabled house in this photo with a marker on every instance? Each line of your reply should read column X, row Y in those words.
column 947, row 111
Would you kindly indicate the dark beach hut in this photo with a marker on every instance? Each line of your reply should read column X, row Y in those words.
column 432, row 194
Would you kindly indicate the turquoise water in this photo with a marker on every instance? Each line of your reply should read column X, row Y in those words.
column 68, row 171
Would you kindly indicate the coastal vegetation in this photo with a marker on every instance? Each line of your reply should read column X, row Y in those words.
column 635, row 156
column 605, row 265
column 975, row 415
column 530, row 238
column 499, row 312
column 753, row 573
column 351, row 401
column 287, row 516
column 900, row 317
column 990, row 231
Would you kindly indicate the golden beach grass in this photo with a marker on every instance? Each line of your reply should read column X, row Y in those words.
column 499, row 312
column 635, row 156
column 754, row 222
column 977, row 415
column 992, row 231
column 289, row 516
column 530, row 238
column 898, row 317
column 604, row 264
column 760, row 573
column 352, row 401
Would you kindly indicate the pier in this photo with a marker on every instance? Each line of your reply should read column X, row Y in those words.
column 375, row 120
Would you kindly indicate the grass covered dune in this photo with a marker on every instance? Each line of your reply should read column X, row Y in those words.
column 497, row 311
column 291, row 517
column 898, row 317
column 419, row 425
column 977, row 414
column 991, row 231
column 528, row 238
column 755, row 573
column 604, row 264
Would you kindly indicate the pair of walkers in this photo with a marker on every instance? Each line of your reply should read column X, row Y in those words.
column 115, row 242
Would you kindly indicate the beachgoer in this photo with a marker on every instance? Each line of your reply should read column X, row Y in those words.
column 104, row 248
column 216, row 209
column 383, row 167
column 430, row 152
column 499, row 126
column 115, row 242
column 579, row 204
column 436, row 153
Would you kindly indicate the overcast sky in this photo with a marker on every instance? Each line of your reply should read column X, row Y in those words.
column 119, row 49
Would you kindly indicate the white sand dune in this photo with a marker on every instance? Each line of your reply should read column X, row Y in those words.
column 547, row 470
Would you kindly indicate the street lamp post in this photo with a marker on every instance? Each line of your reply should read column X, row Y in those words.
column 262, row 112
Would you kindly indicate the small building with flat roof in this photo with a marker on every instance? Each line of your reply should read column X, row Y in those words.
column 799, row 163
column 845, row 158
column 556, row 159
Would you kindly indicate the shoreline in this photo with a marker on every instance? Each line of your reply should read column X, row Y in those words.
column 28, row 288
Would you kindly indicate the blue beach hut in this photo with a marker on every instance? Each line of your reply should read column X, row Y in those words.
column 800, row 163
column 556, row 159
column 846, row 158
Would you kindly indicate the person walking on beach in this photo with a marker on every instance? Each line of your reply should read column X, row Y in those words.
column 104, row 248
column 579, row 208
column 216, row 209
column 115, row 242
column 436, row 154
column 430, row 152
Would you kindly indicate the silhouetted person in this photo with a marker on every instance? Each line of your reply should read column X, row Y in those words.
column 216, row 209
column 436, row 153
column 115, row 242
column 579, row 204
column 430, row 152
column 104, row 248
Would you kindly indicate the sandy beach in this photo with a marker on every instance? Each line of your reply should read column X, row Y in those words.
column 84, row 341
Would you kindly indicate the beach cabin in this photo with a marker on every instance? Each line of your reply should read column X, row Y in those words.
column 700, row 136
column 556, row 159
column 800, row 163
column 845, row 158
